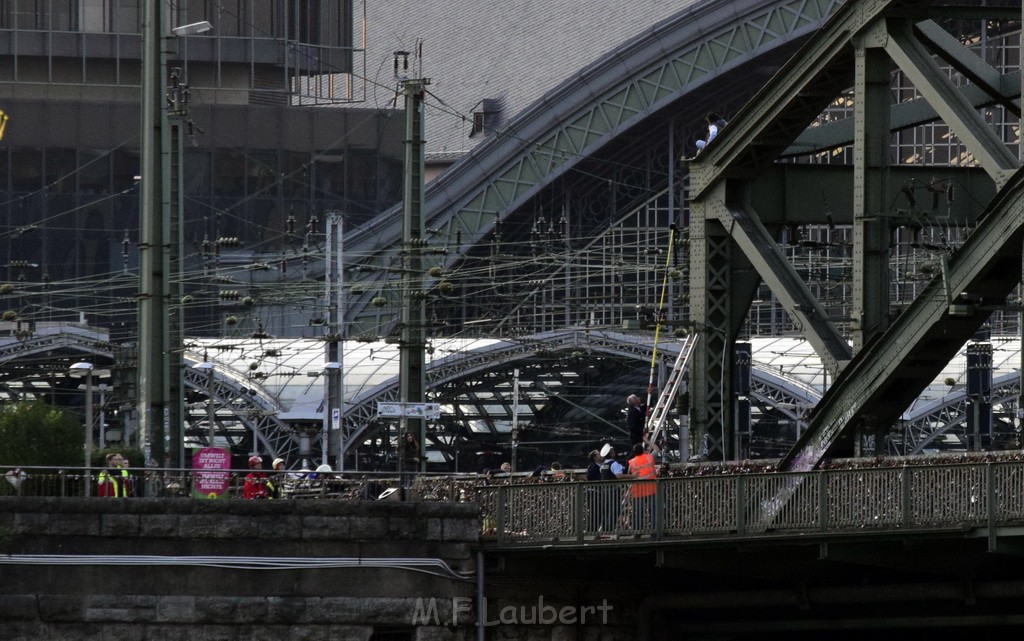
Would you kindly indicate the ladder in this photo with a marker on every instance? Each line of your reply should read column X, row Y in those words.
column 668, row 393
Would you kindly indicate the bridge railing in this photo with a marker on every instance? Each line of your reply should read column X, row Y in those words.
column 178, row 483
column 745, row 505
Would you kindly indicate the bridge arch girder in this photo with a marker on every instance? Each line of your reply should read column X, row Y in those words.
column 236, row 401
column 939, row 418
column 655, row 71
column 43, row 356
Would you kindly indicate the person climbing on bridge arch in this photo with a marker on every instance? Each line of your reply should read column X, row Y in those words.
column 715, row 125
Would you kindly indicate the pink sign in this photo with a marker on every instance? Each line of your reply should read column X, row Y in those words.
column 211, row 479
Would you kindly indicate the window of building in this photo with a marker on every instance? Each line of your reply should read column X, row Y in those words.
column 93, row 172
column 26, row 169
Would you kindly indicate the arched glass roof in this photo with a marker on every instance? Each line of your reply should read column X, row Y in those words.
column 291, row 370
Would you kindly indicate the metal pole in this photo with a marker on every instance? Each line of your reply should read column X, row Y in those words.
column 325, row 431
column 333, row 293
column 515, row 416
column 103, row 418
column 211, row 409
column 88, row 431
column 342, row 335
column 153, row 260
column 412, row 375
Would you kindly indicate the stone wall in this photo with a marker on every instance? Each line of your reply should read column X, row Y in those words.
column 132, row 586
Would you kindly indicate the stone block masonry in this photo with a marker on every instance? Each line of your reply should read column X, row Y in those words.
column 151, row 569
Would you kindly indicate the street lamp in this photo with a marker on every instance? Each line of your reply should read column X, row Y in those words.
column 211, row 411
column 192, row 29
column 77, row 370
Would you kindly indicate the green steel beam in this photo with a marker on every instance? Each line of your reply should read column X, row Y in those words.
column 901, row 116
column 871, row 223
column 784, row 108
column 803, row 194
column 759, row 247
column 763, row 128
column 956, row 111
column 712, row 314
column 980, row 73
column 883, row 379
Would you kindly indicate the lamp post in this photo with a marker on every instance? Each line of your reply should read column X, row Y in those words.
column 211, row 410
column 85, row 369
column 103, row 415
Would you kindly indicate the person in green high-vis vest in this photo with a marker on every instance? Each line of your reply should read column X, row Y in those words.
column 113, row 481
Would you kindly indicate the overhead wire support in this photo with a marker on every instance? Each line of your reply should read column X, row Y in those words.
column 412, row 345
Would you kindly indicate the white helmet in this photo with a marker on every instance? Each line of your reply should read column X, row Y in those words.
column 324, row 468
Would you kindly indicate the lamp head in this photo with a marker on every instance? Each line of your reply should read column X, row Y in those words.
column 81, row 367
column 192, row 29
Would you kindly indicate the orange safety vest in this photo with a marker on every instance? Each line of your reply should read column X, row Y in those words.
column 643, row 466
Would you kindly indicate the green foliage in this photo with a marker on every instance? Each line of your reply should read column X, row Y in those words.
column 34, row 433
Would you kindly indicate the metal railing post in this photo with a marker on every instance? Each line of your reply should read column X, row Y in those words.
column 579, row 512
column 741, row 505
column 500, row 516
column 905, row 496
column 990, row 498
column 660, row 509
column 822, row 500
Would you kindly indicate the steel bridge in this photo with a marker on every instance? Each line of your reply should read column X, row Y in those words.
column 736, row 201
column 641, row 106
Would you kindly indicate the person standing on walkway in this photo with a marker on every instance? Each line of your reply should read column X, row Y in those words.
column 611, row 497
column 257, row 485
column 114, row 480
column 643, row 468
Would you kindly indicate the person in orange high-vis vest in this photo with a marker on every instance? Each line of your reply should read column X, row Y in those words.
column 643, row 468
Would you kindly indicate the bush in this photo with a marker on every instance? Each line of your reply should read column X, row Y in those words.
column 34, row 433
